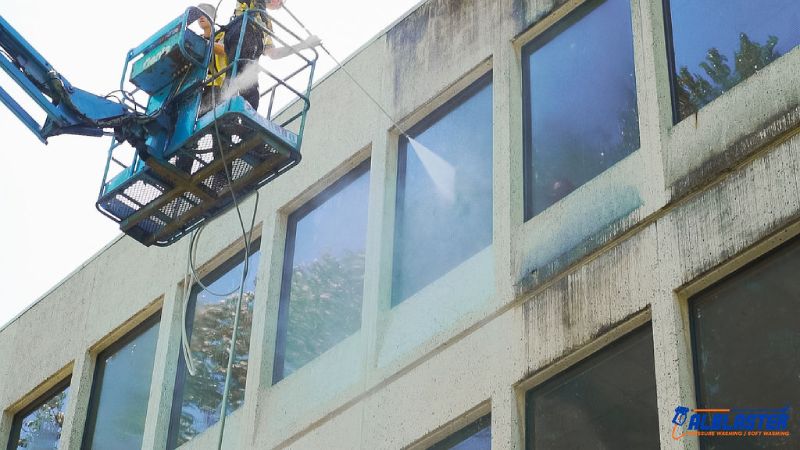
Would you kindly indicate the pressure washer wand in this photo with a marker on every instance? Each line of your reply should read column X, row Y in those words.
column 349, row 75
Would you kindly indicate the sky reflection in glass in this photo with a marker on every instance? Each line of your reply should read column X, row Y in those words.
column 581, row 115
column 323, row 283
column 118, row 408
column 747, row 34
column 444, row 192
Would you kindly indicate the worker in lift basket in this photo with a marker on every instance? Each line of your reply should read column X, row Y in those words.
column 256, row 42
column 219, row 59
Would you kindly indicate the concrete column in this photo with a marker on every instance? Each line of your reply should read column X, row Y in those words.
column 265, row 322
column 671, row 341
column 507, row 202
column 80, row 391
column 508, row 428
column 165, row 367
column 654, row 95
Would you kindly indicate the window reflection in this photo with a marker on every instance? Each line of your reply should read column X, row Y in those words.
column 581, row 115
column 444, row 192
column 719, row 43
column 323, row 278
column 39, row 427
column 475, row 436
column 606, row 401
column 118, row 407
column 197, row 400
column 747, row 337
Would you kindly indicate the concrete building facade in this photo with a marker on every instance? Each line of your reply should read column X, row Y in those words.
column 539, row 295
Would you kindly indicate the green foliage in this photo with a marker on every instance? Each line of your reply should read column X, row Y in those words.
column 694, row 90
column 325, row 306
column 210, row 342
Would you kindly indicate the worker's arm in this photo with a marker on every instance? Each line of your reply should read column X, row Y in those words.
column 282, row 52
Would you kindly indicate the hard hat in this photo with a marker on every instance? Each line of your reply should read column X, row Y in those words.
column 208, row 9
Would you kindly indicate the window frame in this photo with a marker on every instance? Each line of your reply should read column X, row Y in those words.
column 670, row 47
column 712, row 286
column 99, row 371
column 182, row 372
column 16, row 422
column 474, row 86
column 464, row 433
column 626, row 336
column 540, row 34
column 282, row 329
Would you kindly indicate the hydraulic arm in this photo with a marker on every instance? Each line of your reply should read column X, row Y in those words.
column 189, row 163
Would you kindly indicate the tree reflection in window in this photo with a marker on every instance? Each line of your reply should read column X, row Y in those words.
column 198, row 398
column 40, row 427
column 581, row 115
column 717, row 44
column 323, row 275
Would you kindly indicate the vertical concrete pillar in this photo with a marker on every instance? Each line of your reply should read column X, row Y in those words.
column 653, row 94
column 508, row 419
column 265, row 320
column 80, row 390
column 165, row 367
column 507, row 188
column 671, row 341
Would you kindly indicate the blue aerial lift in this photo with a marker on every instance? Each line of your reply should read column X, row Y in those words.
column 187, row 168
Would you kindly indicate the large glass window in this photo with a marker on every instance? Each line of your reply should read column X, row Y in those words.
column 210, row 314
column 606, row 401
column 39, row 426
column 118, row 406
column 323, row 274
column 718, row 43
column 475, row 436
column 746, row 332
column 580, row 101
column 444, row 191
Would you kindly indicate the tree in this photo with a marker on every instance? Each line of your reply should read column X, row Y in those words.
column 210, row 343
column 695, row 91
column 325, row 306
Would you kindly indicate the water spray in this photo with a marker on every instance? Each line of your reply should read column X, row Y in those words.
column 441, row 172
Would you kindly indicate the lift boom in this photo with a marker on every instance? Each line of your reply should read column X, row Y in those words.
column 188, row 165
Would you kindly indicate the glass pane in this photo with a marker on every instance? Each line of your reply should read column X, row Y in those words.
column 198, row 398
column 747, row 344
column 323, row 281
column 121, row 392
column 475, row 436
column 605, row 401
column 719, row 43
column 581, row 116
column 40, row 429
column 444, row 192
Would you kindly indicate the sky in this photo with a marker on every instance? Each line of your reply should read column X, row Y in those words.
column 49, row 225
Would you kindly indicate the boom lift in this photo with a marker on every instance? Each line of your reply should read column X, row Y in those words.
column 187, row 168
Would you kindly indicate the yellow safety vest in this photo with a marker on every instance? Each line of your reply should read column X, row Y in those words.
column 218, row 62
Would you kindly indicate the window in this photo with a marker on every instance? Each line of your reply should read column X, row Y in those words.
column 746, row 338
column 39, row 426
column 580, row 113
column 715, row 44
column 444, row 192
column 606, row 401
column 210, row 314
column 475, row 436
column 118, row 405
column 323, row 273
